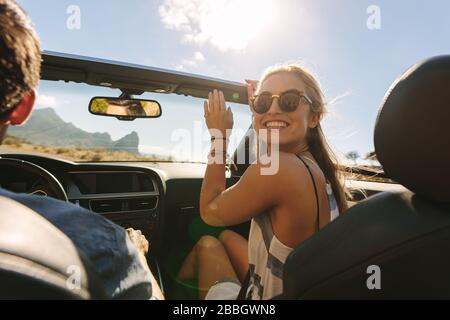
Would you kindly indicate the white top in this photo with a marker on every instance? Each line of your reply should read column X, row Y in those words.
column 267, row 255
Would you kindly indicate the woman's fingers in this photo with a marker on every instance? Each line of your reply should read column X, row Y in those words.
column 250, row 92
column 211, row 103
column 222, row 100
column 205, row 108
column 230, row 116
column 251, row 87
column 216, row 101
column 253, row 83
column 217, row 105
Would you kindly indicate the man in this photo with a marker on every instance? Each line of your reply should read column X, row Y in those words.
column 118, row 258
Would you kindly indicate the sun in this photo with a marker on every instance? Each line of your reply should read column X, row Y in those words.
column 232, row 24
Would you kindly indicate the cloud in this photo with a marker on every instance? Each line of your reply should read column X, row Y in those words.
column 225, row 24
column 198, row 56
column 44, row 101
column 191, row 63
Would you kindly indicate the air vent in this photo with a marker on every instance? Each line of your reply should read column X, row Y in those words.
column 106, row 205
column 147, row 203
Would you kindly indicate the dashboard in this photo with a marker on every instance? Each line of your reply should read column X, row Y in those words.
column 128, row 196
column 160, row 199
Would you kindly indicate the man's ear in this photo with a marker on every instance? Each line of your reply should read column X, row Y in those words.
column 23, row 110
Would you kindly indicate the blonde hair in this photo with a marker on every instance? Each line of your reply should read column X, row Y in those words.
column 315, row 138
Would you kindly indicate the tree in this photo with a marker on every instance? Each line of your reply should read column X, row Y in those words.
column 99, row 106
column 352, row 155
column 372, row 157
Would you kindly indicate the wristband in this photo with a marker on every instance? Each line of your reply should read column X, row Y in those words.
column 218, row 138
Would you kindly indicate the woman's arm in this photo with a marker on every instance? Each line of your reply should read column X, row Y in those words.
column 253, row 193
column 219, row 121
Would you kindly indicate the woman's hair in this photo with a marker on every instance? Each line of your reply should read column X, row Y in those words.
column 315, row 138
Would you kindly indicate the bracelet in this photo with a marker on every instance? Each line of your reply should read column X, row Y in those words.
column 213, row 152
column 218, row 138
column 212, row 157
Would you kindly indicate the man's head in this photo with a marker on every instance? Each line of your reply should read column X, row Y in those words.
column 20, row 64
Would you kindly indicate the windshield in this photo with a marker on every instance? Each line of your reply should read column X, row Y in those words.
column 62, row 126
column 356, row 49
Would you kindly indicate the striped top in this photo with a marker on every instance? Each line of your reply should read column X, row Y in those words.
column 267, row 255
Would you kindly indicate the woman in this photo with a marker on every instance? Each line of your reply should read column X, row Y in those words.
column 286, row 208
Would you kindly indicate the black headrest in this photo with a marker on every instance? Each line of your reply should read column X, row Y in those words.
column 412, row 133
column 37, row 260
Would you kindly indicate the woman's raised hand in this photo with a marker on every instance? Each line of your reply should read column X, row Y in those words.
column 251, row 87
column 219, row 118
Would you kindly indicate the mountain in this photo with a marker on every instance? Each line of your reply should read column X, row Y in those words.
column 129, row 143
column 46, row 127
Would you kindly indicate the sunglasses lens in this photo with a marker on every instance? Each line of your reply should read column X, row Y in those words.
column 289, row 101
column 262, row 103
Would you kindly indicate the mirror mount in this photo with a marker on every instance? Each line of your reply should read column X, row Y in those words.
column 125, row 96
column 128, row 93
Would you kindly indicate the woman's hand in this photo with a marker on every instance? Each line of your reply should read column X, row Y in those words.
column 251, row 87
column 219, row 118
column 139, row 240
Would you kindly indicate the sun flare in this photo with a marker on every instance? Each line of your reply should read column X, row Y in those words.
column 234, row 23
column 226, row 24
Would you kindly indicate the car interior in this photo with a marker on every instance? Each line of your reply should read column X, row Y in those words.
column 403, row 227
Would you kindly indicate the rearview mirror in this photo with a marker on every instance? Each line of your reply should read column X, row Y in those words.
column 125, row 109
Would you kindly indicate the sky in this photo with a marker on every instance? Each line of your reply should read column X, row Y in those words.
column 356, row 48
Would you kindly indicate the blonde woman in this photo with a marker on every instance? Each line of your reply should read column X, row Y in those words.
column 285, row 208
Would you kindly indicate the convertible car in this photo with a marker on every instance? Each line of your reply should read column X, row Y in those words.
column 398, row 232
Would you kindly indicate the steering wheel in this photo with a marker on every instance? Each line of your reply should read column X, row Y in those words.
column 8, row 164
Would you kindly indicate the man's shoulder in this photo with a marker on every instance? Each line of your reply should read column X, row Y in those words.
column 38, row 202
column 55, row 210
column 103, row 242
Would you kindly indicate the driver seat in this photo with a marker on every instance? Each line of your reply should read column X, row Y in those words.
column 392, row 245
column 38, row 261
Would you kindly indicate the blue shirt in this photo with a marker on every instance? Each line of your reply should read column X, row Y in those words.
column 105, row 244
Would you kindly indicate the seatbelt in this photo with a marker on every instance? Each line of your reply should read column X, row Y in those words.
column 243, row 291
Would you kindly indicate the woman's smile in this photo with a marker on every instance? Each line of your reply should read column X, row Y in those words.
column 275, row 124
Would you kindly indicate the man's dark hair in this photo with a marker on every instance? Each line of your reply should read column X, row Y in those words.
column 20, row 56
column 136, row 110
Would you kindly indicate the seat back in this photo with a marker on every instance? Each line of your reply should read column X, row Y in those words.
column 392, row 245
column 406, row 237
column 37, row 261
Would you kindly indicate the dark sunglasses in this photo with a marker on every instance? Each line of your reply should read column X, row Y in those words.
column 288, row 101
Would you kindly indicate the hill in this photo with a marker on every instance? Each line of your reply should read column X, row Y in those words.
column 45, row 127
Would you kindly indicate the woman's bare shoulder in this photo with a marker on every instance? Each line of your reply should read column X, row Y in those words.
column 284, row 169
